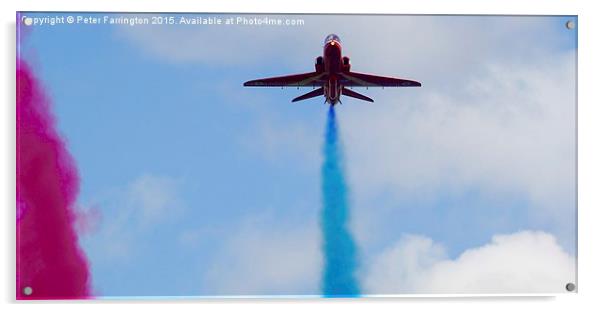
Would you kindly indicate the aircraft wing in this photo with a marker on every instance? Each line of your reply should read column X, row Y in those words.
column 353, row 79
column 300, row 80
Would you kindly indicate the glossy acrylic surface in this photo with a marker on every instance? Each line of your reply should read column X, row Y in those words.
column 146, row 169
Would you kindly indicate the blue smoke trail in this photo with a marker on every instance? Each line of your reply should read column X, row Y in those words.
column 338, row 278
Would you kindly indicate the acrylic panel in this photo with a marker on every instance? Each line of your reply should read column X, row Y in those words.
column 194, row 155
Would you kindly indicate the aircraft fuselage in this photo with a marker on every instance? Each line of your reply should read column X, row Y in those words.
column 333, row 65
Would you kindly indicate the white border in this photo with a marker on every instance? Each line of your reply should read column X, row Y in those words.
column 590, row 152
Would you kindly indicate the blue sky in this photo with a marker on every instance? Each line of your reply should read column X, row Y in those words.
column 208, row 188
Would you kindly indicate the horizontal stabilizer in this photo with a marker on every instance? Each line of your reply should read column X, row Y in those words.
column 356, row 95
column 309, row 95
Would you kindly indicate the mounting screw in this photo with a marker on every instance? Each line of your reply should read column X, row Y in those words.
column 570, row 287
column 569, row 25
column 27, row 291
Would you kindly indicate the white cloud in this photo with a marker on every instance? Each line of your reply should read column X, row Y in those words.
column 210, row 45
column 297, row 142
column 128, row 214
column 266, row 258
column 514, row 126
column 414, row 45
column 509, row 129
column 524, row 262
column 153, row 198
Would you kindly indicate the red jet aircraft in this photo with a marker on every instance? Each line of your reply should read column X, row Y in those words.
column 333, row 75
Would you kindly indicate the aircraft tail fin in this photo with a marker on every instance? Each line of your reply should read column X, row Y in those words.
column 309, row 95
column 356, row 95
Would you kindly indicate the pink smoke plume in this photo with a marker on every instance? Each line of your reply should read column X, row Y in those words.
column 50, row 263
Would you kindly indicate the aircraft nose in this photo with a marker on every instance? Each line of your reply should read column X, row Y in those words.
column 331, row 44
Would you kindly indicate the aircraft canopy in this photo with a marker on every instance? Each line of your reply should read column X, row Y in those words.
column 332, row 37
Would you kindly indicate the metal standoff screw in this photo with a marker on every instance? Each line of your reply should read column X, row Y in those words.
column 570, row 287
column 27, row 291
